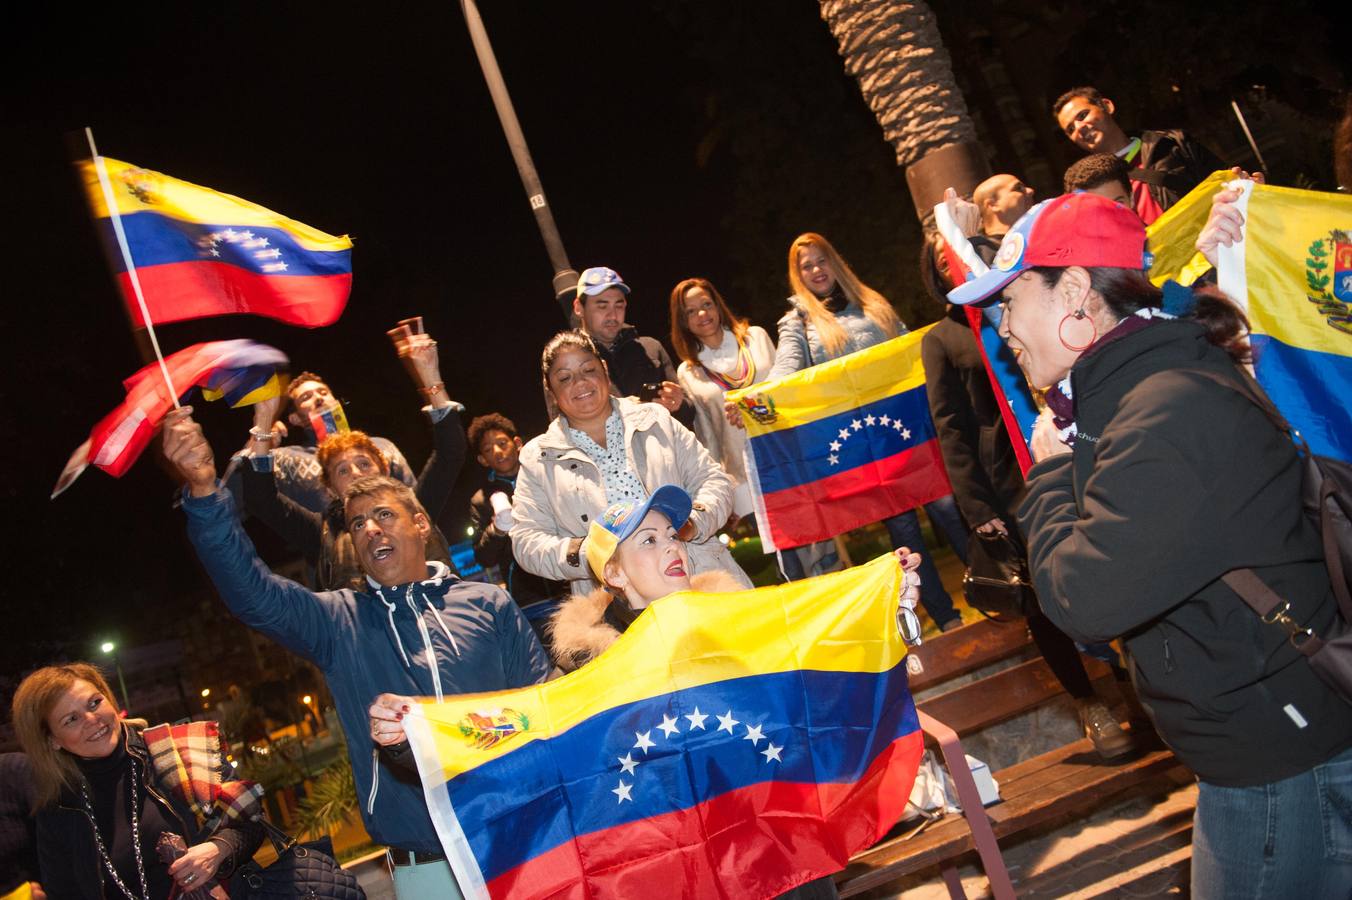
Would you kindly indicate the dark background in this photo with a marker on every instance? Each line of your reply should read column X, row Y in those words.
column 673, row 139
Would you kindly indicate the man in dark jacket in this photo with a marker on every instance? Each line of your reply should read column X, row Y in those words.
column 639, row 366
column 495, row 440
column 417, row 631
column 1165, row 164
column 18, row 843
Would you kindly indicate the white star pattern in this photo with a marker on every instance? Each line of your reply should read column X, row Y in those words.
column 896, row 423
column 833, row 459
column 627, row 763
column 668, row 726
column 869, row 419
column 856, row 425
column 883, row 420
column 844, row 434
column 771, row 753
column 255, row 244
column 696, row 719
column 266, row 254
column 835, row 446
column 622, row 792
column 274, row 267
column 753, row 734
column 727, row 722
column 905, row 434
column 644, row 741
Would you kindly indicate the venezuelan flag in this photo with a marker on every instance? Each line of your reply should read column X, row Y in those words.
column 841, row 444
column 1293, row 275
column 198, row 252
column 1172, row 238
column 728, row 745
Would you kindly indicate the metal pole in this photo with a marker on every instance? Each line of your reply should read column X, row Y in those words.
column 122, row 683
column 1249, row 134
column 565, row 277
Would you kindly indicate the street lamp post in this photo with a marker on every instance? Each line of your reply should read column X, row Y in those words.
column 109, row 648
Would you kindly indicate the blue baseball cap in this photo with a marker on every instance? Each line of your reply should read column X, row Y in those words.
column 621, row 520
column 597, row 279
column 1079, row 229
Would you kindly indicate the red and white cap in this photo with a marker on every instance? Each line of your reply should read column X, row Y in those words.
column 1078, row 229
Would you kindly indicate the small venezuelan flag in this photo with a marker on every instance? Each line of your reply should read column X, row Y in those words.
column 727, row 745
column 841, row 444
column 1292, row 273
column 198, row 252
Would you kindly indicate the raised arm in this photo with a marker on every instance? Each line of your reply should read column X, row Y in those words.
column 302, row 528
column 300, row 620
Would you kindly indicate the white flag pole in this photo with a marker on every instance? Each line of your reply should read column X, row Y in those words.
column 111, row 202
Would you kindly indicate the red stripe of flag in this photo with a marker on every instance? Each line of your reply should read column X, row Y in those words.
column 189, row 290
column 860, row 496
column 776, row 835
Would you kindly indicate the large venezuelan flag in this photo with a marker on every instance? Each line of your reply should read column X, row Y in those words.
column 728, row 745
column 198, row 252
column 1293, row 274
column 841, row 444
column 1172, row 238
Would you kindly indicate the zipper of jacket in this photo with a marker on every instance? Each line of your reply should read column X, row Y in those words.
column 1168, row 658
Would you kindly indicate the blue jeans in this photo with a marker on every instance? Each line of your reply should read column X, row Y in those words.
column 904, row 529
column 1289, row 838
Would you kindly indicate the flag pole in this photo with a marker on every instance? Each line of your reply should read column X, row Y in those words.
column 1249, row 134
column 111, row 202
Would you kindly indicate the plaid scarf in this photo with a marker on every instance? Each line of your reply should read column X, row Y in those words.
column 187, row 760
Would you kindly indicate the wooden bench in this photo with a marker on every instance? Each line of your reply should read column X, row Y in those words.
column 1067, row 780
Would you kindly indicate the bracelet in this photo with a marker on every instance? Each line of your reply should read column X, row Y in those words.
column 432, row 388
column 262, row 434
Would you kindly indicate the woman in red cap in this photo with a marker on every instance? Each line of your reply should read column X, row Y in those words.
column 1156, row 475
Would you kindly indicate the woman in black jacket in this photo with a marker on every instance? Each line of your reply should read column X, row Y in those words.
column 1152, row 481
column 101, row 808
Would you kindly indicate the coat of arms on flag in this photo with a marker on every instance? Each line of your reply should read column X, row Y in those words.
column 726, row 745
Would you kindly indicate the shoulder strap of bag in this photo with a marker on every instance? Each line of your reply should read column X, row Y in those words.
column 1325, row 497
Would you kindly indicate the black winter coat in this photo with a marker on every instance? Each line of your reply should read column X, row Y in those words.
column 1174, row 164
column 978, row 455
column 69, row 858
column 1174, row 481
column 494, row 548
column 635, row 361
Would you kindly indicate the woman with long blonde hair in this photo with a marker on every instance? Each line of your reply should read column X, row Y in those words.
column 102, row 805
column 831, row 314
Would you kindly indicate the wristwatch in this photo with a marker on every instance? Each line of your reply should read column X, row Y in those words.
column 574, row 556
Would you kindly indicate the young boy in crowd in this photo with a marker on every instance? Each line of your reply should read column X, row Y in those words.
column 1103, row 174
column 497, row 445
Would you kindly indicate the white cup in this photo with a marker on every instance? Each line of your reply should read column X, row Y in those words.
column 502, row 511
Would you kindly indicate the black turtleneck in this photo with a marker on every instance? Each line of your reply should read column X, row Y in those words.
column 836, row 301
column 109, row 781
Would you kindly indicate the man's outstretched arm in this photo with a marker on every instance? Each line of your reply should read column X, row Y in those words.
column 295, row 617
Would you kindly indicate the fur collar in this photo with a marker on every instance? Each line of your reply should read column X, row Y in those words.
column 579, row 631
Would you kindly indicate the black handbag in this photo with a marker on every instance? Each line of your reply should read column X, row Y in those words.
column 307, row 870
column 997, row 583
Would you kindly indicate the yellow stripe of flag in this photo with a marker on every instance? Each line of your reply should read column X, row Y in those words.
column 142, row 190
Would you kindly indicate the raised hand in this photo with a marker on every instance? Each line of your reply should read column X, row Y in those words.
column 188, row 452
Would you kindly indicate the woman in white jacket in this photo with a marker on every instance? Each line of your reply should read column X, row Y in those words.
column 602, row 450
column 719, row 352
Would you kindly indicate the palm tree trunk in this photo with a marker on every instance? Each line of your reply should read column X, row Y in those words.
column 894, row 49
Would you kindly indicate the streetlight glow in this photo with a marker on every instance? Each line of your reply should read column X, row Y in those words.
column 305, row 699
column 206, row 692
column 107, row 646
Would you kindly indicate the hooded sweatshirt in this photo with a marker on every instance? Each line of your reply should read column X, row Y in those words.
column 432, row 638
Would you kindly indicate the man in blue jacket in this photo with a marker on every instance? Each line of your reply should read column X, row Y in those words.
column 418, row 631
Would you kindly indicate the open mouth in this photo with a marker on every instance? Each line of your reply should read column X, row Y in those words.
column 676, row 569
column 383, row 553
column 99, row 735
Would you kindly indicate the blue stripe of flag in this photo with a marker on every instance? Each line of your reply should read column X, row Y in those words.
column 156, row 239
column 796, row 456
column 1313, row 390
column 830, row 726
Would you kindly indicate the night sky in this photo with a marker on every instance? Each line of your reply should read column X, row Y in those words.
column 672, row 139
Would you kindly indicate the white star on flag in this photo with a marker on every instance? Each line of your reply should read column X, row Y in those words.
column 696, row 719
column 835, row 446
column 644, row 741
column 627, row 763
column 727, row 722
column 869, row 419
column 856, row 425
column 622, row 792
column 844, row 434
column 906, row 434
column 255, row 244
column 896, row 423
column 753, row 734
column 267, row 254
column 669, row 726
column 274, row 267
column 834, row 460
column 884, row 420
column 771, row 752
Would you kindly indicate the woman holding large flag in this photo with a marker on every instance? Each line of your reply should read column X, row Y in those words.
column 1159, row 483
column 832, row 313
column 601, row 450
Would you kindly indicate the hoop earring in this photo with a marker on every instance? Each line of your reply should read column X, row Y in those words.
column 1078, row 315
